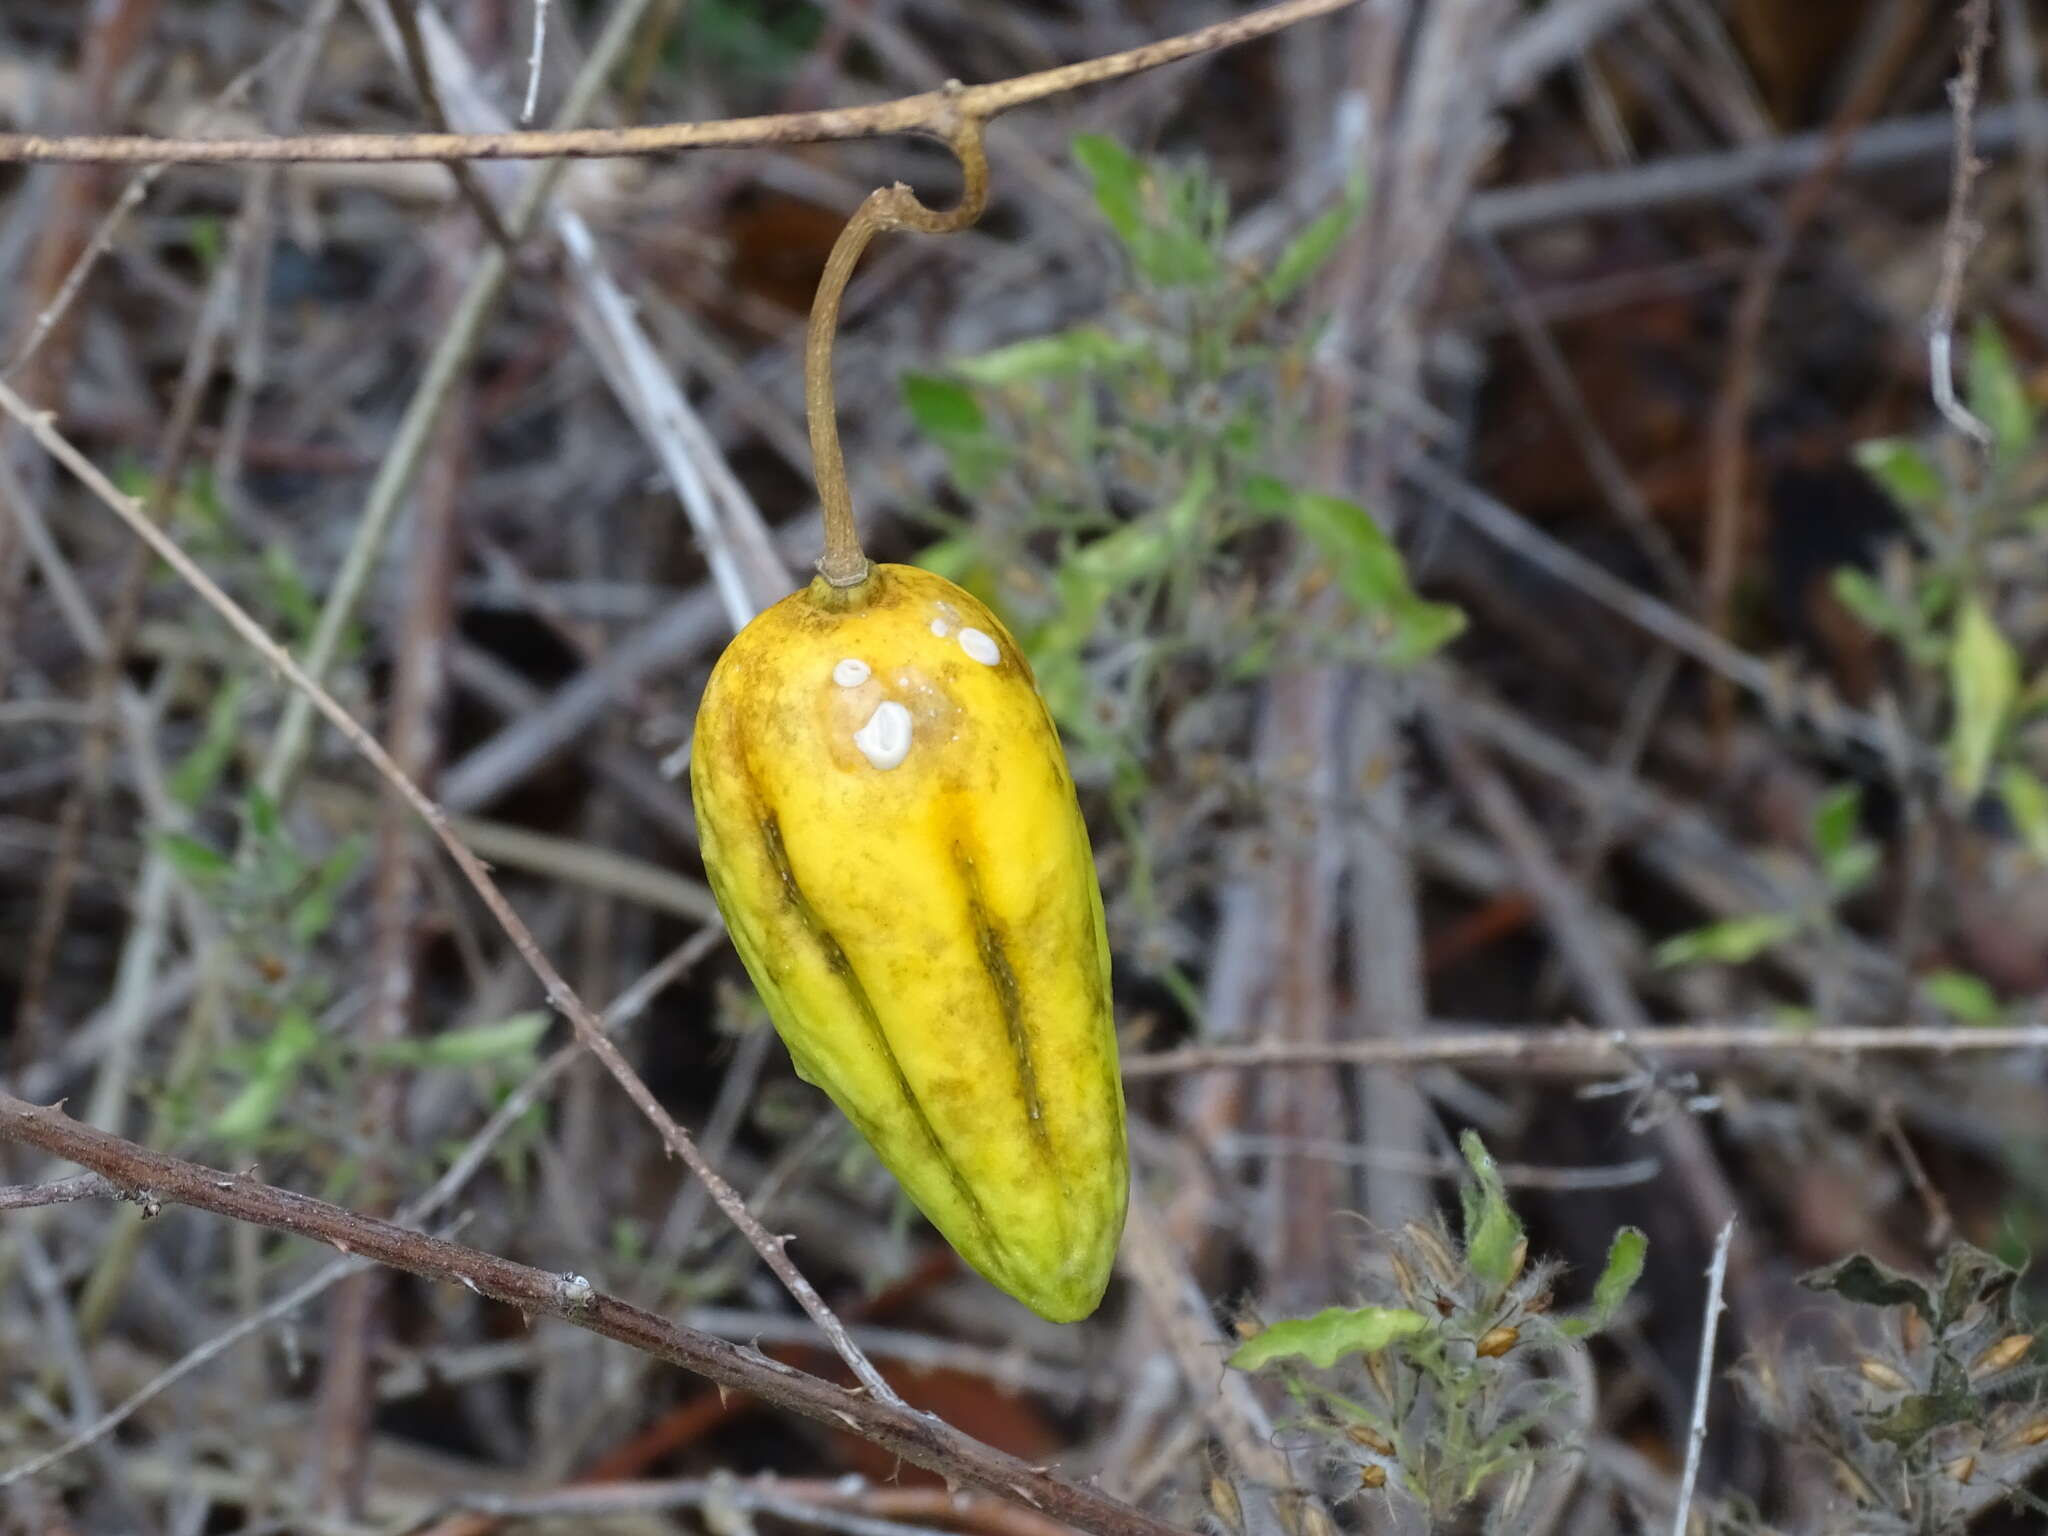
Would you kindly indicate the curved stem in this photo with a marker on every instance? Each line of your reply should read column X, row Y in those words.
column 844, row 564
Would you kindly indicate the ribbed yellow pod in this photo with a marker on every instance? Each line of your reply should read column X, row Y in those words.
column 892, row 834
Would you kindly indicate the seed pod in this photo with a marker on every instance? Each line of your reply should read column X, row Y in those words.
column 891, row 832
column 1372, row 1475
column 1436, row 1258
column 1224, row 1501
column 2002, row 1355
column 2029, row 1433
column 1496, row 1342
column 1879, row 1374
column 1370, row 1438
column 1381, row 1374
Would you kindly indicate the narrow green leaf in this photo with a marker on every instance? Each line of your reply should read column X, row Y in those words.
column 1984, row 677
column 193, row 859
column 1850, row 870
column 1060, row 355
column 1147, row 544
column 260, row 812
column 1856, row 591
column 200, row 769
column 2026, row 802
column 1732, row 941
column 1965, row 998
column 1492, row 1231
column 1904, row 470
column 511, row 1039
column 1368, row 567
column 1307, row 252
column 252, row 1110
column 1117, row 180
column 312, row 913
column 943, row 408
column 1625, row 1257
column 289, row 595
column 1330, row 1335
column 1836, row 820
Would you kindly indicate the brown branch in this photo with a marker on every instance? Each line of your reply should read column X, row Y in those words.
column 928, row 112
column 916, row 1437
column 26, row 1197
column 1585, row 1052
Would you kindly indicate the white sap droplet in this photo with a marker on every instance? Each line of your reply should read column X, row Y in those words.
column 885, row 740
column 941, row 628
column 980, row 647
column 852, row 672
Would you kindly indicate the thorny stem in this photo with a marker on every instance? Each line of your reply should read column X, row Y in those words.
column 844, row 564
column 917, row 1437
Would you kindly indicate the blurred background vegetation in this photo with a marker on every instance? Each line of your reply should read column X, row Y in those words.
column 1467, row 477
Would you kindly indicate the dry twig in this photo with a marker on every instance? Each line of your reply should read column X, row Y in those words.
column 931, row 112
column 916, row 1437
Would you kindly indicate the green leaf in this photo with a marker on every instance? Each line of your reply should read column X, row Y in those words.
column 1117, row 179
column 1368, row 567
column 289, row 595
column 1851, row 870
column 512, row 1039
column 1060, row 355
column 1146, row 545
column 1856, row 591
column 1330, row 1335
column 1998, row 395
column 312, row 913
column 1967, row 999
column 1836, row 820
column 950, row 557
column 200, row 769
column 1160, row 220
column 2026, row 802
column 1493, row 1234
column 207, row 240
column 193, row 859
column 1984, row 677
column 947, row 412
column 1915, row 1417
column 1863, row 1280
column 1308, row 251
column 260, row 812
column 943, row 408
column 1847, row 861
column 1732, row 941
column 1970, row 1277
column 1904, row 470
column 251, row 1111
column 1625, row 1257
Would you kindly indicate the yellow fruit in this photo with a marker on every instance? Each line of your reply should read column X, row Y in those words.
column 892, row 835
